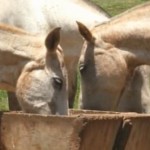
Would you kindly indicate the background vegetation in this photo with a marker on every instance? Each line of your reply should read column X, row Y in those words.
column 113, row 7
column 3, row 101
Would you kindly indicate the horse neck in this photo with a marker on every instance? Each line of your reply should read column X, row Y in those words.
column 15, row 51
column 129, row 33
column 72, row 11
column 16, row 47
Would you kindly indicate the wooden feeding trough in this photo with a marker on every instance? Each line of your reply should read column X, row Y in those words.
column 82, row 130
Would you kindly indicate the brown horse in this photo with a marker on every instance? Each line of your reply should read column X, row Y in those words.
column 136, row 96
column 34, row 67
column 110, row 54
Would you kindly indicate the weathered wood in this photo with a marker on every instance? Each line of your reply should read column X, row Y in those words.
column 123, row 135
column 134, row 131
column 25, row 131
column 83, row 111
column 99, row 134
column 139, row 138
column 1, row 145
column 82, row 130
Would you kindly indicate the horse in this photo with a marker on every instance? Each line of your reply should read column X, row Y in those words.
column 33, row 67
column 110, row 54
column 136, row 96
column 39, row 17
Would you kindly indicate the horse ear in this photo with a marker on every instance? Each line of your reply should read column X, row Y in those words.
column 53, row 39
column 85, row 32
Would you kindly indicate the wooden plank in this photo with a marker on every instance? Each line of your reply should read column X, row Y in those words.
column 139, row 138
column 123, row 135
column 82, row 111
column 100, row 132
column 1, row 144
column 21, row 131
column 35, row 132
column 134, row 132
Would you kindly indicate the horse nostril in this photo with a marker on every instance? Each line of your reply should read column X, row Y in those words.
column 52, row 106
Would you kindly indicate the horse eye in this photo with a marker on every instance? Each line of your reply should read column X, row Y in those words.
column 82, row 67
column 57, row 83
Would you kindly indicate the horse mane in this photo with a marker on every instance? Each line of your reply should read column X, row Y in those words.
column 12, row 29
column 24, row 44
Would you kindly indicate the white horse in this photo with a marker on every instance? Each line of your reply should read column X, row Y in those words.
column 34, row 67
column 110, row 54
column 42, row 15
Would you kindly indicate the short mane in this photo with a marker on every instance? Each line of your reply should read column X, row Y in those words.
column 13, row 29
column 17, row 42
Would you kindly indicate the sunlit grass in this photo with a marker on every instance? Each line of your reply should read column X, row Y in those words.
column 115, row 7
column 3, row 101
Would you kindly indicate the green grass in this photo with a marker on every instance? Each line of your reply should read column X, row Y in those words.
column 76, row 102
column 3, row 101
column 113, row 7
